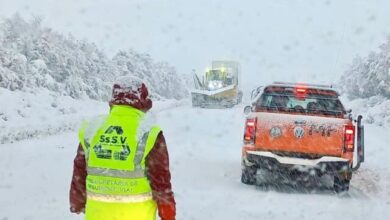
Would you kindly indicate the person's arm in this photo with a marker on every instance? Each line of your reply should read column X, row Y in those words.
column 157, row 164
column 77, row 194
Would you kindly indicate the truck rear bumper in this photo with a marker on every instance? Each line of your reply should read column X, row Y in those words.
column 288, row 165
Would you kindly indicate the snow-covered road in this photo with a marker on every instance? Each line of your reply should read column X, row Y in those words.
column 205, row 148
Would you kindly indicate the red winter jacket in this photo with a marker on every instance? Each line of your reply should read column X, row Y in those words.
column 157, row 165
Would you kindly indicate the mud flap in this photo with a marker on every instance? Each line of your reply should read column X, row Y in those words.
column 360, row 143
column 360, row 139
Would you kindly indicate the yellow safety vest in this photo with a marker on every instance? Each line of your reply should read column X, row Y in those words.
column 116, row 147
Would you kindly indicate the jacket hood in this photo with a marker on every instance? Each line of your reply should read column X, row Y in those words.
column 132, row 93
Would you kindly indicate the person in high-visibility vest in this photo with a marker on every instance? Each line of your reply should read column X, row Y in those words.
column 121, row 170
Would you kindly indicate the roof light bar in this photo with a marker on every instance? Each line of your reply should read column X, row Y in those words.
column 306, row 84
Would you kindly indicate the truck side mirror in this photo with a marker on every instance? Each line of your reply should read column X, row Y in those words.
column 247, row 109
column 349, row 111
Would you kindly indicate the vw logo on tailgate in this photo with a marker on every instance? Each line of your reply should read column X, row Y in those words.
column 299, row 132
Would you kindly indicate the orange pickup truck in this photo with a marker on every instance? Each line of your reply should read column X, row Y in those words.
column 297, row 130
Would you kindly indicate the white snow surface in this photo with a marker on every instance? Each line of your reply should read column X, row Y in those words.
column 27, row 114
column 205, row 161
column 375, row 110
column 40, row 112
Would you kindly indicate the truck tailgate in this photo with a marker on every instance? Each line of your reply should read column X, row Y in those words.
column 300, row 133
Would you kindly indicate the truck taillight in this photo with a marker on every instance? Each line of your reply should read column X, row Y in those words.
column 250, row 130
column 349, row 138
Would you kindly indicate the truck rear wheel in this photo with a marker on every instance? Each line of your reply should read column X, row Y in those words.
column 248, row 175
column 340, row 184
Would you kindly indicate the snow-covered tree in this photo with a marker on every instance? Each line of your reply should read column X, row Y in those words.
column 160, row 77
column 34, row 56
column 367, row 84
column 370, row 76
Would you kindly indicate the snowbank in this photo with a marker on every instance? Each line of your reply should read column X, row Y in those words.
column 40, row 112
column 375, row 110
column 28, row 114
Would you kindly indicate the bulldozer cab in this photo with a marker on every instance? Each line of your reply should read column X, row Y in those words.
column 219, row 75
column 217, row 79
column 215, row 75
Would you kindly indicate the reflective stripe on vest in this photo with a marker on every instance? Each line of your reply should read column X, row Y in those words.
column 115, row 167
column 140, row 151
column 119, row 198
column 116, row 173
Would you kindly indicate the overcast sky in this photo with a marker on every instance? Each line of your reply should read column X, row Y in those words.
column 290, row 40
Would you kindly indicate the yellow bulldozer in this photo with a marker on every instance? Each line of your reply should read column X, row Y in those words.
column 218, row 86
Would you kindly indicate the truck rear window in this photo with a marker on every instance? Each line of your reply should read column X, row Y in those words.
column 311, row 104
